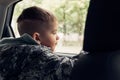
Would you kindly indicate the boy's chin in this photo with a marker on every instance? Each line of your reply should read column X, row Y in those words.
column 55, row 44
column 53, row 50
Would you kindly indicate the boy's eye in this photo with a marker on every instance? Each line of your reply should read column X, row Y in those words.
column 54, row 32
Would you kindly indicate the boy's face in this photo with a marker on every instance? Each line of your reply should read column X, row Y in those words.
column 49, row 36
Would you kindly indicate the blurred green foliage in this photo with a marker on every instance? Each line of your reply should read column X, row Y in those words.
column 71, row 14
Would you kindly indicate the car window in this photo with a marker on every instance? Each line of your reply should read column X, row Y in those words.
column 71, row 15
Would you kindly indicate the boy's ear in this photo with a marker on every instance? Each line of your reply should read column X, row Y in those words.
column 36, row 37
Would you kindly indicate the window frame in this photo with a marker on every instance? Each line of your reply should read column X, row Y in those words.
column 6, row 30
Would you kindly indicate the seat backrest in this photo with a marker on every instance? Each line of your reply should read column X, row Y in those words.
column 104, row 66
column 102, row 41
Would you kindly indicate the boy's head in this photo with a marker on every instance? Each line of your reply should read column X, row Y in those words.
column 40, row 24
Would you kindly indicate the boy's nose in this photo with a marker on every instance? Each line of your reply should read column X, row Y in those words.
column 57, row 37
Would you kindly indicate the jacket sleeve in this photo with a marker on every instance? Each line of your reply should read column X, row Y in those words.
column 65, row 67
column 43, row 65
column 54, row 69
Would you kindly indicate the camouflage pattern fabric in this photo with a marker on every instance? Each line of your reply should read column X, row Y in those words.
column 32, row 62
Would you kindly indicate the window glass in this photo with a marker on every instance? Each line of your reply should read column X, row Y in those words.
column 71, row 15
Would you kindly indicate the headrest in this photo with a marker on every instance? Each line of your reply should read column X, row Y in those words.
column 102, row 30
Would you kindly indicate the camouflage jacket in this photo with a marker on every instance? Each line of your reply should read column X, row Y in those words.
column 23, row 59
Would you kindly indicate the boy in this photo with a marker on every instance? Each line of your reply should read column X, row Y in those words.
column 40, row 25
column 30, row 56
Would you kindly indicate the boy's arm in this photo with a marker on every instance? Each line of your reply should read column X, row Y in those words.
column 53, row 68
column 65, row 67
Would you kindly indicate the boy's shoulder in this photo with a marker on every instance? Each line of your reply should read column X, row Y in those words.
column 25, row 50
column 33, row 61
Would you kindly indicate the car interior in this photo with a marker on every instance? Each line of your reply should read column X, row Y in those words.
column 6, row 8
column 101, row 36
column 7, row 30
column 101, row 41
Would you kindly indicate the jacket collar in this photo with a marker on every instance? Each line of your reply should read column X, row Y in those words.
column 24, row 39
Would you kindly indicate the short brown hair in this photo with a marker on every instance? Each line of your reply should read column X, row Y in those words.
column 31, row 16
